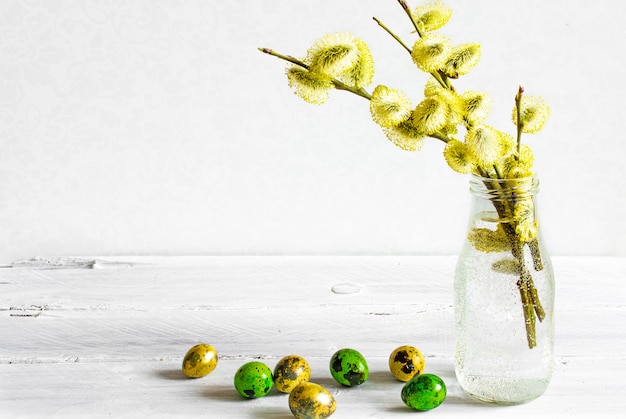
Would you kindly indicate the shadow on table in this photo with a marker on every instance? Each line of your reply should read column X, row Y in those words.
column 462, row 399
column 172, row 374
column 221, row 392
column 328, row 383
column 268, row 412
column 384, row 377
column 228, row 393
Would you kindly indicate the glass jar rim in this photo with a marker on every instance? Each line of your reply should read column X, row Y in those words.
column 496, row 188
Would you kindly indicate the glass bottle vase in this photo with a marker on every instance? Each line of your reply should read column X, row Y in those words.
column 504, row 295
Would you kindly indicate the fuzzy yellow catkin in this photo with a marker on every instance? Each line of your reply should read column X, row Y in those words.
column 311, row 87
column 462, row 59
column 534, row 114
column 389, row 107
column 459, row 157
column 486, row 240
column 431, row 16
column 333, row 54
column 526, row 156
column 485, row 144
column 362, row 72
column 430, row 115
column 454, row 104
column 405, row 136
column 525, row 222
column 476, row 106
column 430, row 52
column 507, row 143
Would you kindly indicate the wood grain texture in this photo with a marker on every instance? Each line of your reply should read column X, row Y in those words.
column 109, row 341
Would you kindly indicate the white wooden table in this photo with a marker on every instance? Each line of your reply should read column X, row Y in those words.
column 105, row 337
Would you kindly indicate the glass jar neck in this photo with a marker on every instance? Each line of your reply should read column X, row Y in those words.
column 503, row 189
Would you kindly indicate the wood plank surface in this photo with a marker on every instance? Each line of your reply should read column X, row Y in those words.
column 105, row 337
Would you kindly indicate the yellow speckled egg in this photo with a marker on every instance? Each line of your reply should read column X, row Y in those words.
column 199, row 361
column 311, row 401
column 291, row 371
column 405, row 362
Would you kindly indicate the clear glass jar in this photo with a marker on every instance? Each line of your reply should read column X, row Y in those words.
column 504, row 295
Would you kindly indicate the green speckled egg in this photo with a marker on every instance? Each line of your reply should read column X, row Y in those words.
column 424, row 392
column 349, row 367
column 406, row 362
column 253, row 380
column 291, row 371
column 311, row 401
column 199, row 361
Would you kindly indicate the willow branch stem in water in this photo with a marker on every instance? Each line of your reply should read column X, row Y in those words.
column 533, row 245
column 529, row 313
column 531, row 305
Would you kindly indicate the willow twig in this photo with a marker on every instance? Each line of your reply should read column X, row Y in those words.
column 338, row 84
column 396, row 37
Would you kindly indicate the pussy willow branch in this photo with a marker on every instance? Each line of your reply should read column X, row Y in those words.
column 338, row 84
column 529, row 296
column 528, row 293
column 407, row 10
column 341, row 86
column 438, row 75
column 520, row 124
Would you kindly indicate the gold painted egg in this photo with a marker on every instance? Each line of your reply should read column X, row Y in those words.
column 405, row 362
column 291, row 371
column 199, row 361
column 311, row 401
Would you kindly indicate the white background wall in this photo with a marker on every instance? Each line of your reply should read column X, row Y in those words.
column 157, row 127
